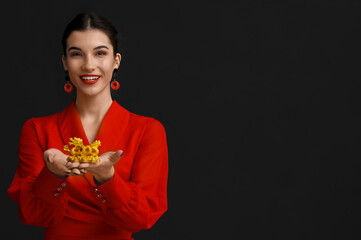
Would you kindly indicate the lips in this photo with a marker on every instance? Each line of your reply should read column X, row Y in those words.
column 89, row 79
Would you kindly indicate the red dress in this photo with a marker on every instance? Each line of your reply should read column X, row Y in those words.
column 75, row 207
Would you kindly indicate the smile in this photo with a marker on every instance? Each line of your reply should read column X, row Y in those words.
column 89, row 79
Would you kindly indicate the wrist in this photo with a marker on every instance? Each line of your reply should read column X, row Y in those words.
column 103, row 178
column 59, row 175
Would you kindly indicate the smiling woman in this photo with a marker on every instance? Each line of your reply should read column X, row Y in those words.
column 90, row 62
column 126, row 190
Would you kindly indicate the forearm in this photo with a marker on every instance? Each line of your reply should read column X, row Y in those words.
column 104, row 177
column 42, row 200
column 125, row 205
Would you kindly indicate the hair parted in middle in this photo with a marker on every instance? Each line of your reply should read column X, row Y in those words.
column 87, row 21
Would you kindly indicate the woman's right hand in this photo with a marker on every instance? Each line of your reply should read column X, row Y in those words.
column 56, row 161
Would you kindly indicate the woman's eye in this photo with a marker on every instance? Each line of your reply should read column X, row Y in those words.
column 73, row 54
column 101, row 53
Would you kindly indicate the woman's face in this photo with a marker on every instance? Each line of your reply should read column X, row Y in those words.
column 90, row 61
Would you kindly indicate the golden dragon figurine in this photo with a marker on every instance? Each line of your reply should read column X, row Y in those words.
column 81, row 153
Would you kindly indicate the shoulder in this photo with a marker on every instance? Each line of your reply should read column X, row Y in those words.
column 51, row 120
column 34, row 130
column 149, row 128
column 145, row 121
column 136, row 121
column 41, row 123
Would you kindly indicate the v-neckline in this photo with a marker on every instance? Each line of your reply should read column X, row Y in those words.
column 112, row 126
column 83, row 133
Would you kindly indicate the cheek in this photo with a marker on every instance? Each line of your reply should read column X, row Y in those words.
column 73, row 66
column 108, row 68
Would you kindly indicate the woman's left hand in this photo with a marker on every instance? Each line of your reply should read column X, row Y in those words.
column 103, row 170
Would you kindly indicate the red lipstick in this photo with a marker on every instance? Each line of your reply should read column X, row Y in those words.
column 89, row 78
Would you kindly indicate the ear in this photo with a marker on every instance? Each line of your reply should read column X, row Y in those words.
column 118, row 58
column 63, row 59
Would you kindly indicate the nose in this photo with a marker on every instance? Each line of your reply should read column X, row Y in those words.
column 89, row 65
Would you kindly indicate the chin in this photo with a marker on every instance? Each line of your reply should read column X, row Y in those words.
column 92, row 92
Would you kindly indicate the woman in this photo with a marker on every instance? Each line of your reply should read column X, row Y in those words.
column 122, row 193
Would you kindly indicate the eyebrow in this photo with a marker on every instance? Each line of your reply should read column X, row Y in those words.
column 102, row 46
column 99, row 47
column 73, row 48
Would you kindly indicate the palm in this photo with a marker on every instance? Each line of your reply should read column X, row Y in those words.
column 108, row 159
column 104, row 169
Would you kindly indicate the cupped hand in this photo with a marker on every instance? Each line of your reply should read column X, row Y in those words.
column 103, row 170
column 57, row 163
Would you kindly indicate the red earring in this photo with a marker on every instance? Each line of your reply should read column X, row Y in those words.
column 67, row 87
column 115, row 85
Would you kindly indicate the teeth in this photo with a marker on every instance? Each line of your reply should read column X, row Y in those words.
column 89, row 78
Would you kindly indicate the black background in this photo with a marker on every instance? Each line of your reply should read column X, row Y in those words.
column 260, row 101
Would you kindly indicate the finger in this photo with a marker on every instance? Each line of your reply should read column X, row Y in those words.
column 68, row 164
column 75, row 171
column 66, row 170
column 116, row 156
column 89, row 166
column 73, row 165
column 83, row 171
column 83, row 165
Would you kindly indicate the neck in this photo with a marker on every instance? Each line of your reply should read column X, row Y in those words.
column 93, row 106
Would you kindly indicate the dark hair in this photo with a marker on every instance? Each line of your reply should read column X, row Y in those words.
column 86, row 21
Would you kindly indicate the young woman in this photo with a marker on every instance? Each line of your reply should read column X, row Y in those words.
column 122, row 193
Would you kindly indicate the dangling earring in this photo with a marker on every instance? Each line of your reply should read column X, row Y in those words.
column 115, row 84
column 67, row 87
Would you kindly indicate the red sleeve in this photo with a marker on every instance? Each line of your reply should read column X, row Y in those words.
column 40, row 195
column 138, row 204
